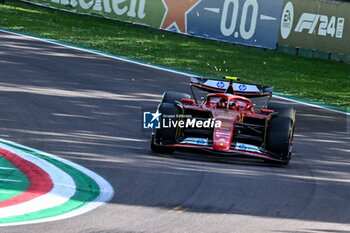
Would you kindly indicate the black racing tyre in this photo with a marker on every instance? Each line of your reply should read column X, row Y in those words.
column 284, row 110
column 158, row 148
column 169, row 112
column 279, row 136
column 172, row 96
column 164, row 135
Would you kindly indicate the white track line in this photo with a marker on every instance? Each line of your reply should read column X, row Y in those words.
column 311, row 105
column 10, row 180
column 8, row 168
column 153, row 66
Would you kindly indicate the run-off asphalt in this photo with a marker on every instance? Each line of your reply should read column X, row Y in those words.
column 88, row 109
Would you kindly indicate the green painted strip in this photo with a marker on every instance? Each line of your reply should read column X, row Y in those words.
column 86, row 191
column 321, row 55
column 287, row 49
column 163, row 67
column 340, row 57
column 305, row 52
column 11, row 189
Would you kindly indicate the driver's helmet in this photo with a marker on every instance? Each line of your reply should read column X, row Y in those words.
column 222, row 103
column 232, row 104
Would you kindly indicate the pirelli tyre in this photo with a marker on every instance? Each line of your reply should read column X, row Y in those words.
column 155, row 147
column 284, row 110
column 172, row 96
column 280, row 137
column 163, row 136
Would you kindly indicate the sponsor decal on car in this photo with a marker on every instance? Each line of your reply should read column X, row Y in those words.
column 220, row 84
column 242, row 87
column 246, row 147
column 196, row 141
column 236, row 86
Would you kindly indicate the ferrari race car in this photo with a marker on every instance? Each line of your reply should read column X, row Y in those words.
column 225, row 121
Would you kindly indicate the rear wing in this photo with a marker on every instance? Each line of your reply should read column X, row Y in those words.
column 218, row 86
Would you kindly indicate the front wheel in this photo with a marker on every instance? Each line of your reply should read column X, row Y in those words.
column 280, row 137
column 158, row 148
column 165, row 135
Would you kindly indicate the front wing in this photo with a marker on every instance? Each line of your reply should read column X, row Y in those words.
column 242, row 150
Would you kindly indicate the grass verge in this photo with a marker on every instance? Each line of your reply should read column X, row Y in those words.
column 323, row 81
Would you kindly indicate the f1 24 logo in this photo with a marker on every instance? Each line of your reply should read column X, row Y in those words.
column 326, row 26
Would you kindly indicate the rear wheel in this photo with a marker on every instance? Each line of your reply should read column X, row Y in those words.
column 172, row 96
column 283, row 110
column 280, row 137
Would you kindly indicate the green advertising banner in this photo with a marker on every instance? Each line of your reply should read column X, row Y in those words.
column 136, row 11
column 317, row 25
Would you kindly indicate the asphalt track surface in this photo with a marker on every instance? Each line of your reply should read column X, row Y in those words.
column 88, row 109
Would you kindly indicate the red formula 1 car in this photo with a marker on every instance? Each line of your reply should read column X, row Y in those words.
column 226, row 121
